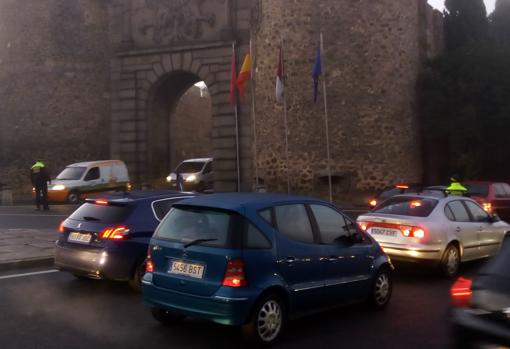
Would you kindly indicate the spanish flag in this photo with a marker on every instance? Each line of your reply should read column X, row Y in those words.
column 244, row 75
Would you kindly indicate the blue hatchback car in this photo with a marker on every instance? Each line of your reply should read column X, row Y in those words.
column 107, row 238
column 257, row 260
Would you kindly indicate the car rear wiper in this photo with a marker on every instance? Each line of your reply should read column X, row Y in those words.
column 88, row 218
column 198, row 241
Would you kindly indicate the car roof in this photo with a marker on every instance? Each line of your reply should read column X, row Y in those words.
column 198, row 160
column 140, row 195
column 239, row 201
column 98, row 162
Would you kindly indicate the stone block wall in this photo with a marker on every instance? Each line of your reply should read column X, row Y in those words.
column 54, row 85
column 372, row 59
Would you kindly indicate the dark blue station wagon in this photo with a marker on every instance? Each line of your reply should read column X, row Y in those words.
column 256, row 260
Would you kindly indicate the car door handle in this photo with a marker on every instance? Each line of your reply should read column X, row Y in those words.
column 458, row 230
column 290, row 260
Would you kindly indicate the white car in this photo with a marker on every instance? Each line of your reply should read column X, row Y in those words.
column 197, row 175
column 437, row 228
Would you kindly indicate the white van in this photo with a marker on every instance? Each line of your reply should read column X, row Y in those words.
column 78, row 180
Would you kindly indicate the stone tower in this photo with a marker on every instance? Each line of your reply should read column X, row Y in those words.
column 373, row 53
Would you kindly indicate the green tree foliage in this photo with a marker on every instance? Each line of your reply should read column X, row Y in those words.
column 465, row 22
column 500, row 23
column 465, row 97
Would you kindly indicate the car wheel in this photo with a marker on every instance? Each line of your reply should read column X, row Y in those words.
column 451, row 261
column 166, row 317
column 267, row 321
column 73, row 198
column 136, row 281
column 382, row 289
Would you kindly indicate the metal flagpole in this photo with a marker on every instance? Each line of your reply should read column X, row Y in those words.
column 254, row 115
column 237, row 132
column 324, row 88
column 285, row 117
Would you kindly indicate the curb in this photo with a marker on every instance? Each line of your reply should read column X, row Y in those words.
column 27, row 263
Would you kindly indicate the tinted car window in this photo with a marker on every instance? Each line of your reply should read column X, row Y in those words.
column 266, row 214
column 479, row 215
column 331, row 224
column 477, row 189
column 254, row 238
column 71, row 173
column 459, row 211
column 293, row 222
column 449, row 214
column 101, row 213
column 208, row 168
column 190, row 167
column 92, row 174
column 500, row 190
column 185, row 224
column 161, row 207
column 407, row 206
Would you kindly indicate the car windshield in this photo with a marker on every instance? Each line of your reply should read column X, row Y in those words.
column 407, row 206
column 72, row 173
column 101, row 213
column 190, row 167
column 477, row 189
column 185, row 224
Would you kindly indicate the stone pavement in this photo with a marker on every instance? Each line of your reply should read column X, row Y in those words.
column 21, row 248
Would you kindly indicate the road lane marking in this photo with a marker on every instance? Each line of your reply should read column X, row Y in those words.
column 29, row 274
column 33, row 215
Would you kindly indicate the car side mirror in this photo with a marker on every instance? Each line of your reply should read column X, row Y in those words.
column 493, row 218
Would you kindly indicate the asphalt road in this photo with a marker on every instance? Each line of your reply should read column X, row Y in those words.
column 55, row 310
column 26, row 217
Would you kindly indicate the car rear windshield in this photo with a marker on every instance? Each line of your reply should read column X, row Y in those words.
column 72, row 173
column 101, row 213
column 477, row 189
column 407, row 206
column 190, row 167
column 190, row 224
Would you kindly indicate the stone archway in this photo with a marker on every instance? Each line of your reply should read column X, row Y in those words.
column 150, row 84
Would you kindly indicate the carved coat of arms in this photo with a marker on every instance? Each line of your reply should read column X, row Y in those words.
column 176, row 21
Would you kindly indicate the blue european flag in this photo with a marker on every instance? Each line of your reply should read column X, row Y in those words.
column 317, row 72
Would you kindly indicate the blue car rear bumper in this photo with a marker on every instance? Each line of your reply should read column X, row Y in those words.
column 218, row 308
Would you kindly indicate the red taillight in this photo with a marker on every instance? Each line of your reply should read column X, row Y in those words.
column 61, row 227
column 234, row 275
column 363, row 226
column 402, row 186
column 372, row 203
column 412, row 231
column 101, row 202
column 149, row 266
column 461, row 292
column 115, row 233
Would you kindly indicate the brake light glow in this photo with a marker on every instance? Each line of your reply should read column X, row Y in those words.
column 149, row 266
column 372, row 203
column 487, row 207
column 234, row 274
column 409, row 231
column 115, row 233
column 402, row 186
column 461, row 292
column 101, row 202
column 61, row 227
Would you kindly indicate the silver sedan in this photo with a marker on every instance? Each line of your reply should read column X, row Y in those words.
column 437, row 228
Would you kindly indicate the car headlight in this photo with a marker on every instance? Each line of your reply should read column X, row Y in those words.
column 169, row 179
column 58, row 187
column 191, row 178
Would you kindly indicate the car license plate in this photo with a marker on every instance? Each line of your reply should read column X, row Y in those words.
column 383, row 232
column 82, row 238
column 188, row 269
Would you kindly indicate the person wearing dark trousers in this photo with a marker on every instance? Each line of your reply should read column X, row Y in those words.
column 40, row 178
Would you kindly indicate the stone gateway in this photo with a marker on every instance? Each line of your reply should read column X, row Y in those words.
column 89, row 79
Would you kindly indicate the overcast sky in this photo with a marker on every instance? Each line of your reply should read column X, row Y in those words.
column 439, row 4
